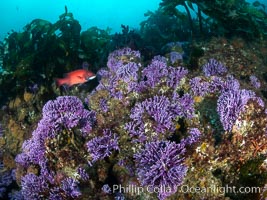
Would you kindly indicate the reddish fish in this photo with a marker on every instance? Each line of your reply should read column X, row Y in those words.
column 78, row 76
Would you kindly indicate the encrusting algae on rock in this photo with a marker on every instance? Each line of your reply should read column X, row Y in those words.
column 122, row 133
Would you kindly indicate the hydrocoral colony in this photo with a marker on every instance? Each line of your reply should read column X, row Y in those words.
column 70, row 140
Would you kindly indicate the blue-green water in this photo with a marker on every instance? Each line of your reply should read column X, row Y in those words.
column 15, row 14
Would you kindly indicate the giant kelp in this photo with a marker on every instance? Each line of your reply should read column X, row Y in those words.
column 160, row 28
column 228, row 17
column 45, row 50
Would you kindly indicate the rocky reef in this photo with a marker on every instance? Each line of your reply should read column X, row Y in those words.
column 153, row 128
column 162, row 120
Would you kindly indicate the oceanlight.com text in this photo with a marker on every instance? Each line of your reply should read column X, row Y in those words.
column 134, row 189
column 220, row 190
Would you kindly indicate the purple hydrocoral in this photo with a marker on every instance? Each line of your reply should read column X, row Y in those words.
column 183, row 106
column 70, row 188
column 254, row 81
column 103, row 105
column 33, row 186
column 158, row 114
column 106, row 189
column 55, row 194
column 199, row 87
column 194, row 136
column 128, row 71
column 231, row 103
column 160, row 165
column 136, row 130
column 230, row 84
column 159, row 109
column 33, row 150
column 1, row 130
column 61, row 115
column 155, row 71
column 214, row 67
column 102, row 146
column 65, row 111
column 175, row 75
column 118, row 57
column 83, row 174
column 175, row 56
column 216, row 84
column 159, row 71
column 121, row 77
column 69, row 112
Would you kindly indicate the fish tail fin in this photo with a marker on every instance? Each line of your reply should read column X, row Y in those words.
column 59, row 81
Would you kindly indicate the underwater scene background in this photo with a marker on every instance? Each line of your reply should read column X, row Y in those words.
column 16, row 14
column 133, row 100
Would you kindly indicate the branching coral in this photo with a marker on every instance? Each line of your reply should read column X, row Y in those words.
column 214, row 67
column 158, row 73
column 101, row 147
column 70, row 188
column 69, row 112
column 122, row 75
column 231, row 104
column 254, row 81
column 199, row 87
column 33, row 186
column 160, row 164
column 156, row 116
column 194, row 136
column 64, row 122
column 145, row 130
